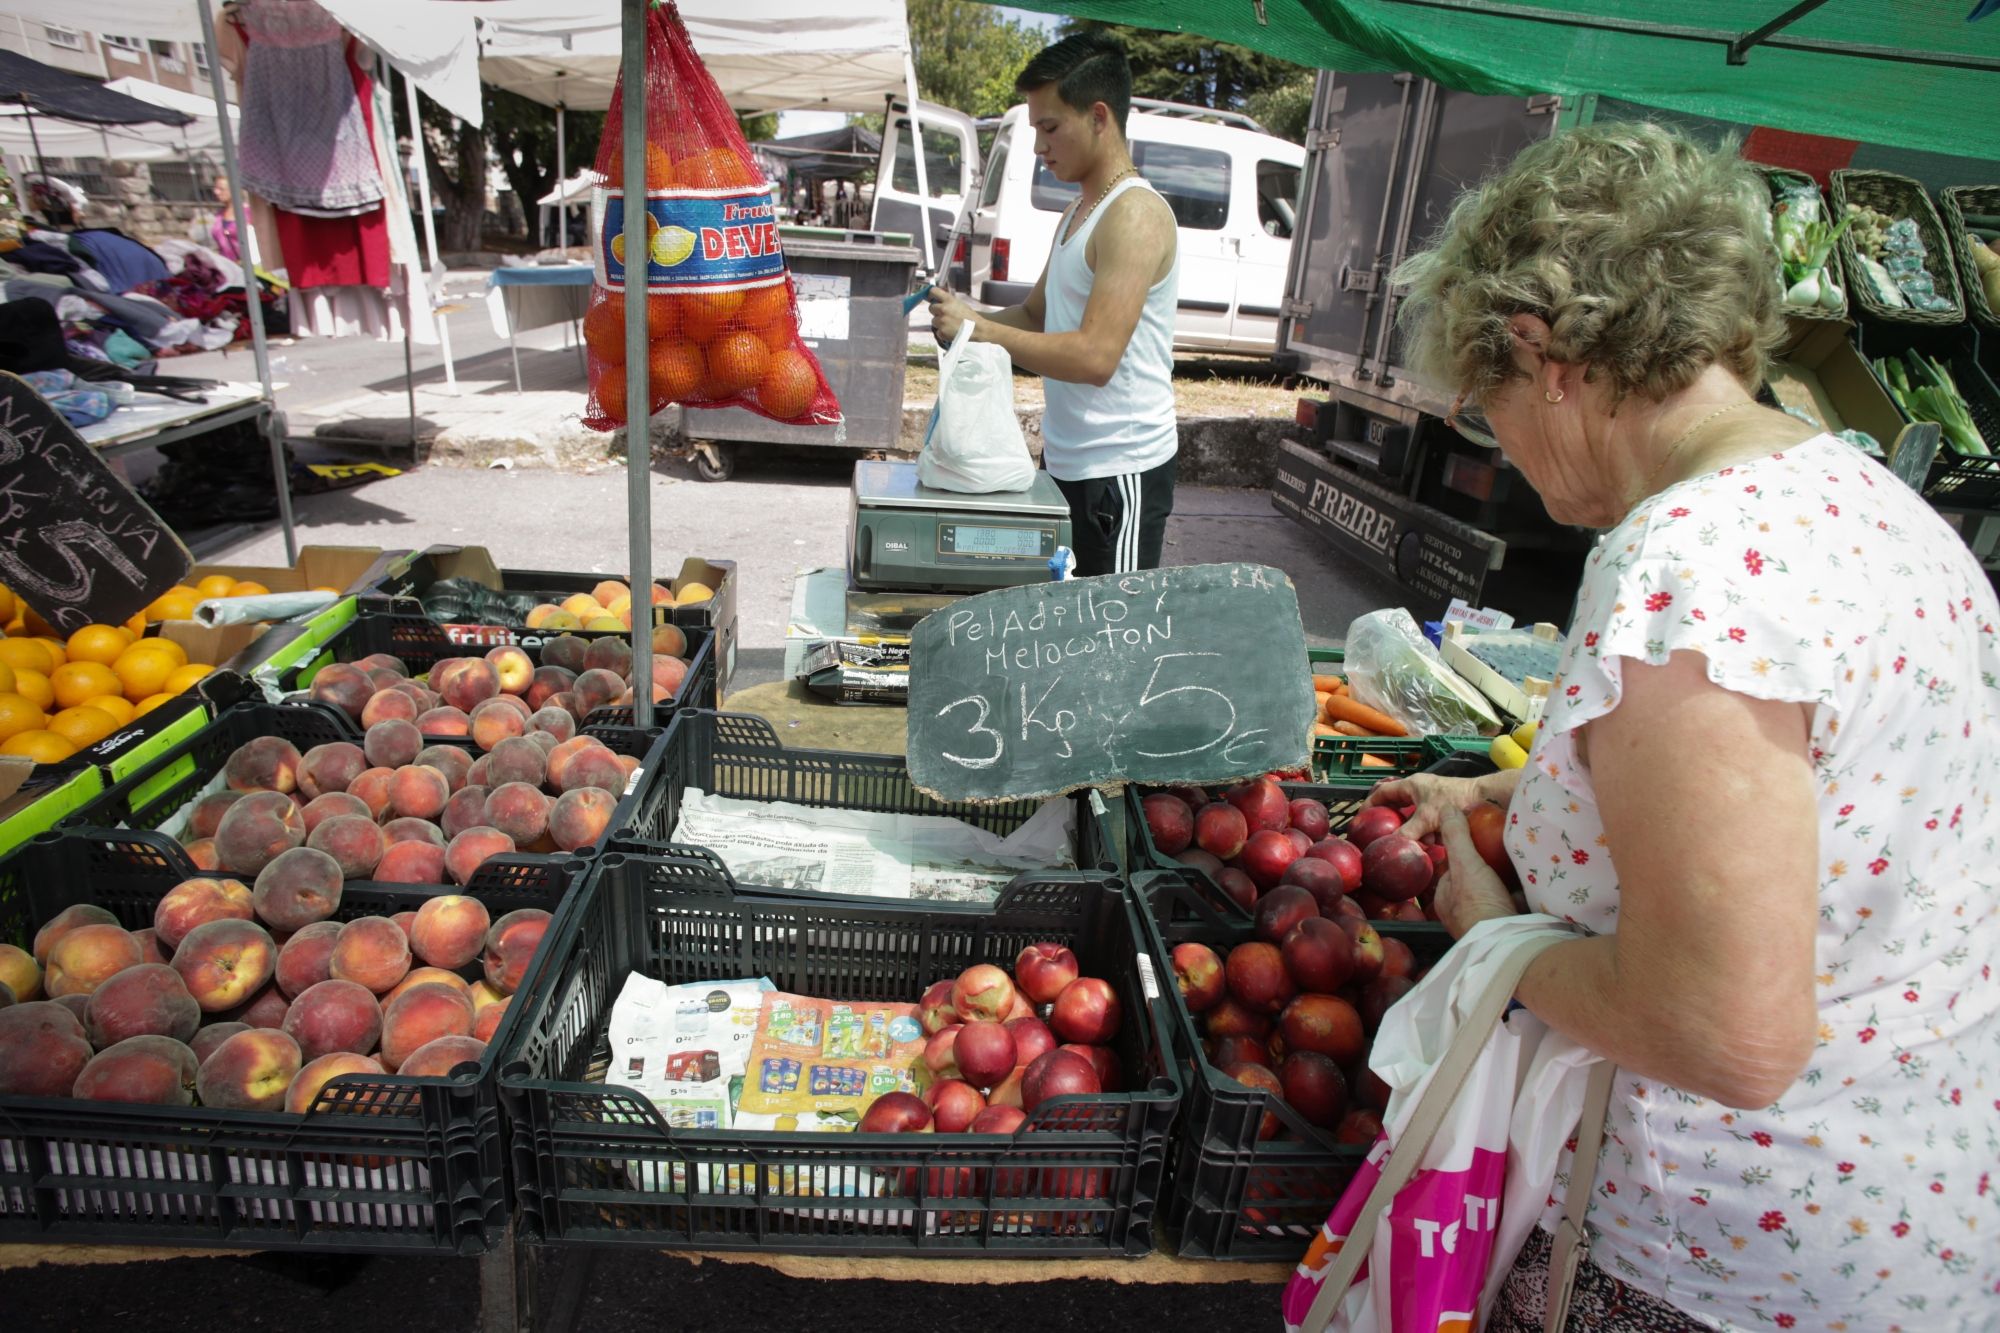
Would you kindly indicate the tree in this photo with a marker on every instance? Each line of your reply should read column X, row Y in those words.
column 968, row 54
column 1285, row 108
column 1183, row 67
column 758, row 125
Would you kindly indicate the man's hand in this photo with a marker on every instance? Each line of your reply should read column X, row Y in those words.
column 947, row 313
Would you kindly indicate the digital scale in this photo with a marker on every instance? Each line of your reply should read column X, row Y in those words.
column 906, row 536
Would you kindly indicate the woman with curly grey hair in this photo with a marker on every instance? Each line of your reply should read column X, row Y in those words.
column 1764, row 787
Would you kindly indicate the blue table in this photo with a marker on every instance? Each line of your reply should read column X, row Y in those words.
column 536, row 296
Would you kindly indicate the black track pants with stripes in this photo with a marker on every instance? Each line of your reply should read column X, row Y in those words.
column 1117, row 523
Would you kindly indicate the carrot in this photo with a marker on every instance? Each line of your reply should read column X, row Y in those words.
column 1349, row 729
column 1341, row 708
column 1325, row 684
column 1322, row 729
column 1376, row 761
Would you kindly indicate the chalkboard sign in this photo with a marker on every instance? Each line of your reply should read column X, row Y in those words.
column 75, row 543
column 1190, row 674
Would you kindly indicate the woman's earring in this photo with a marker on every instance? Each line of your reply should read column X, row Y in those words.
column 1552, row 397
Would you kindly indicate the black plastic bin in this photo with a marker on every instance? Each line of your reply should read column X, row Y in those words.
column 1231, row 1195
column 381, row 1164
column 738, row 755
column 1955, row 480
column 595, row 1164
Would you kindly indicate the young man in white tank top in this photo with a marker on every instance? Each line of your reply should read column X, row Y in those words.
column 1099, row 324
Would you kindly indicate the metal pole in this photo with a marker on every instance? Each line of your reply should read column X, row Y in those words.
column 253, row 299
column 638, row 394
column 41, row 165
column 430, row 229
column 923, row 169
column 562, row 186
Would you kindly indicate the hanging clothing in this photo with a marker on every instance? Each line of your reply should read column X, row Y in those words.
column 336, row 252
column 306, row 143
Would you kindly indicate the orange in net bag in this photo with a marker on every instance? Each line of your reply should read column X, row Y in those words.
column 721, row 313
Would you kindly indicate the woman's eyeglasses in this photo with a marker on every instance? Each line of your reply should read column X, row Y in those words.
column 1470, row 423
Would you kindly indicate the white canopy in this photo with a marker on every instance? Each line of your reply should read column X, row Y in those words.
column 771, row 55
column 123, row 143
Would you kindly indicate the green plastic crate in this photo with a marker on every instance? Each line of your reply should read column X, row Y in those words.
column 42, row 813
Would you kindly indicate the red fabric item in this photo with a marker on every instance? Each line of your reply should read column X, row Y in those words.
column 1814, row 154
column 339, row 252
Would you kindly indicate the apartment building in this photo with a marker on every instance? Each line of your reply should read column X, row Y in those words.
column 107, row 56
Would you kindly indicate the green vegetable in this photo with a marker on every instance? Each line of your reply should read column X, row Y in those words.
column 1925, row 390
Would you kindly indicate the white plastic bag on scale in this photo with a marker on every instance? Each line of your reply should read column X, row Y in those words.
column 974, row 444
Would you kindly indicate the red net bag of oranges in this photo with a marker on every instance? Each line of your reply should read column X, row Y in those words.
column 722, row 320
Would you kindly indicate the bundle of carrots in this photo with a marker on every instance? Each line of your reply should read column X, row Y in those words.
column 1341, row 714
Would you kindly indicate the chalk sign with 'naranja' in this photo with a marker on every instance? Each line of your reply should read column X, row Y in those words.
column 1189, row 674
column 75, row 543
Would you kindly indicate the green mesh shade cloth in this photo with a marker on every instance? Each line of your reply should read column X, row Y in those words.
column 1626, row 49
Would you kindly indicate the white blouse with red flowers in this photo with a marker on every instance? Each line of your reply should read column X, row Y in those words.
column 1865, row 1198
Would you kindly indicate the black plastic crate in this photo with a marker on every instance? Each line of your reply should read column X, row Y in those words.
column 1955, row 480
column 405, row 587
column 420, row 645
column 383, row 1163
column 595, row 1164
column 1231, row 1195
column 739, row 755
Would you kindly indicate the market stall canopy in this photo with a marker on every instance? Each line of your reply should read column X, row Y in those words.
column 575, row 190
column 55, row 92
column 829, row 154
column 432, row 42
column 121, row 143
column 1918, row 76
column 773, row 55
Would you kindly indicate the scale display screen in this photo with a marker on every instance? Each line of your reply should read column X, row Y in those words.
column 968, row 539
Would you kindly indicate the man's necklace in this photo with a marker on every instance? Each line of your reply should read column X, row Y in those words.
column 1100, row 198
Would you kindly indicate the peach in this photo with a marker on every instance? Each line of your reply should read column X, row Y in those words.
column 371, row 950
column 205, row 1042
column 486, row 1022
column 345, row 687
column 354, row 842
column 20, row 973
column 78, row 1006
column 566, row 651
column 411, row 863
column 484, row 994
column 303, row 885
column 466, row 808
column 471, row 849
column 250, row 1072
column 421, row 1015
column 517, row 704
column 539, row 614
column 669, row 673
column 511, row 944
column 392, row 743
column 548, row 681
column 408, row 829
column 547, row 741
column 593, row 768
column 146, row 1070
column 465, row 682
column 387, row 704
column 383, row 679
column 149, row 947
column 613, row 655
column 304, row 960
column 476, row 775
column 206, row 813
column 438, row 1058
column 65, row 921
column 89, row 956
column 371, row 788
column 583, row 606
column 596, row 688
column 444, row 721
column 554, row 722
column 322, row 808
column 335, row 1016
column 630, row 764
column 42, row 1050
column 494, row 721
column 560, row 757
column 568, row 703
column 609, row 591
column 256, row 829
column 266, row 1009
column 450, row 930
column 199, row 901
column 331, row 767
column 519, row 811
column 225, row 963
column 517, row 759
column 427, row 976
column 670, row 640
column 512, row 668
column 418, row 792
column 449, row 760
column 581, row 817
column 268, row 763
column 382, row 662
column 404, row 921
column 313, row 1077
column 203, row 856
column 149, row 999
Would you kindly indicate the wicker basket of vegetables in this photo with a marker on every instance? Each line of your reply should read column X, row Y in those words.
column 1805, row 232
column 1899, row 266
column 1972, row 218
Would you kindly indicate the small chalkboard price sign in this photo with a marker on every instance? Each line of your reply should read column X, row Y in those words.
column 1189, row 674
column 75, row 543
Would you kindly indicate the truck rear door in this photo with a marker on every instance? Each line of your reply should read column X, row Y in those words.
column 951, row 164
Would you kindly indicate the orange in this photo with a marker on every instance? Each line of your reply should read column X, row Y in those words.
column 96, row 643
column 57, row 653
column 788, row 386
column 782, row 333
column 6, row 679
column 26, row 655
column 34, row 686
column 676, row 369
column 83, row 726
column 737, row 361
column 150, row 702
column 216, row 585
column 250, row 588
column 714, row 169
column 764, row 306
column 37, row 626
column 19, row 714
column 604, row 330
column 186, row 677
column 6, row 604
column 161, row 643
column 136, row 626
column 119, row 708
column 44, row 747
column 143, row 670
column 702, row 315
column 79, row 681
column 659, row 169
column 610, row 391
column 176, row 603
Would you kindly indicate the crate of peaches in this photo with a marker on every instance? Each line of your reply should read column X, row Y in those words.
column 292, row 1052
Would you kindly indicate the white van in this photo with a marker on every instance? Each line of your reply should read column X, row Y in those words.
column 1233, row 188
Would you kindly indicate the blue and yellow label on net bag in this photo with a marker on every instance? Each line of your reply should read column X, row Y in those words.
column 696, row 240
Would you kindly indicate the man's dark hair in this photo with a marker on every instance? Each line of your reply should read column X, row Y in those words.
column 1086, row 68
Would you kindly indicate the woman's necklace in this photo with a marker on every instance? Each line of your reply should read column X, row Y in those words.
column 1100, row 198
column 1673, row 450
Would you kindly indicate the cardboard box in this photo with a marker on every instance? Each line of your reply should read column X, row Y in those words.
column 1819, row 373
column 344, row 569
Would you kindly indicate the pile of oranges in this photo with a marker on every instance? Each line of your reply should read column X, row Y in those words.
column 59, row 696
